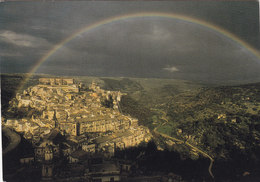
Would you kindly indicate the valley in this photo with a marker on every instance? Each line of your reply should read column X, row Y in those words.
column 215, row 126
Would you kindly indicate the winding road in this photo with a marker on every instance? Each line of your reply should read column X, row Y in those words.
column 163, row 117
column 14, row 139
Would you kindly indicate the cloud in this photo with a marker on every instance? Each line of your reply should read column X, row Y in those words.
column 158, row 33
column 171, row 69
column 10, row 54
column 22, row 40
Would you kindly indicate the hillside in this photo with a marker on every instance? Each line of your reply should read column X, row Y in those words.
column 222, row 121
column 217, row 119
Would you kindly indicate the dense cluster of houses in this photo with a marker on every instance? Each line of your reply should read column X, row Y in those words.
column 90, row 125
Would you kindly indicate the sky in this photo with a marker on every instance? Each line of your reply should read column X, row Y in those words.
column 147, row 47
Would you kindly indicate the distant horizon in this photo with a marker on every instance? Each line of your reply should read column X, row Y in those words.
column 216, row 83
column 206, row 42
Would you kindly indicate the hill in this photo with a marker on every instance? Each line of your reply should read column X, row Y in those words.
column 222, row 121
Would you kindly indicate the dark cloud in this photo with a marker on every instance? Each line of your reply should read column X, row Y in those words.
column 137, row 47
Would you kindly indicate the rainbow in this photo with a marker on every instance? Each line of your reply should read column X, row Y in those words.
column 140, row 15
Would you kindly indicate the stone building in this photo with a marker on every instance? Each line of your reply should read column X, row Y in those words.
column 61, row 105
column 27, row 160
column 77, row 156
column 56, row 81
column 107, row 171
column 89, row 148
column 42, row 151
column 70, row 128
column 47, row 163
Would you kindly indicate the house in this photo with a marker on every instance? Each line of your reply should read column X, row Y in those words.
column 68, row 147
column 89, row 148
column 78, row 156
column 106, row 171
column 39, row 150
column 27, row 160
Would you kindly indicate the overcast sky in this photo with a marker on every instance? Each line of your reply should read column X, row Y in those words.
column 136, row 47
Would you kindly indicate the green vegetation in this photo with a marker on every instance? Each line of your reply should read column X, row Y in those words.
column 222, row 121
column 125, row 84
column 137, row 110
column 215, row 119
column 10, row 85
column 218, row 119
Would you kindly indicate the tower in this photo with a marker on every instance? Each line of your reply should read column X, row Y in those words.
column 47, row 166
column 78, row 129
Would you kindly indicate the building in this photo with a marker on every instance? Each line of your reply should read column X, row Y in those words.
column 56, row 81
column 107, row 171
column 27, row 160
column 40, row 150
column 47, row 163
column 89, row 148
column 78, row 156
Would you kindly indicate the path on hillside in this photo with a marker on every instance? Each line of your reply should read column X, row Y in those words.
column 163, row 117
column 14, row 139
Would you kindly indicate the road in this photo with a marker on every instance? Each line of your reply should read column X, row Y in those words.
column 14, row 139
column 163, row 117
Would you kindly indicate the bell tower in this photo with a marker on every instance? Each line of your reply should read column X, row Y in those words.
column 47, row 166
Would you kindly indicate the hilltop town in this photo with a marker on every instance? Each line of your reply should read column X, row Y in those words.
column 80, row 130
column 88, row 117
column 61, row 104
